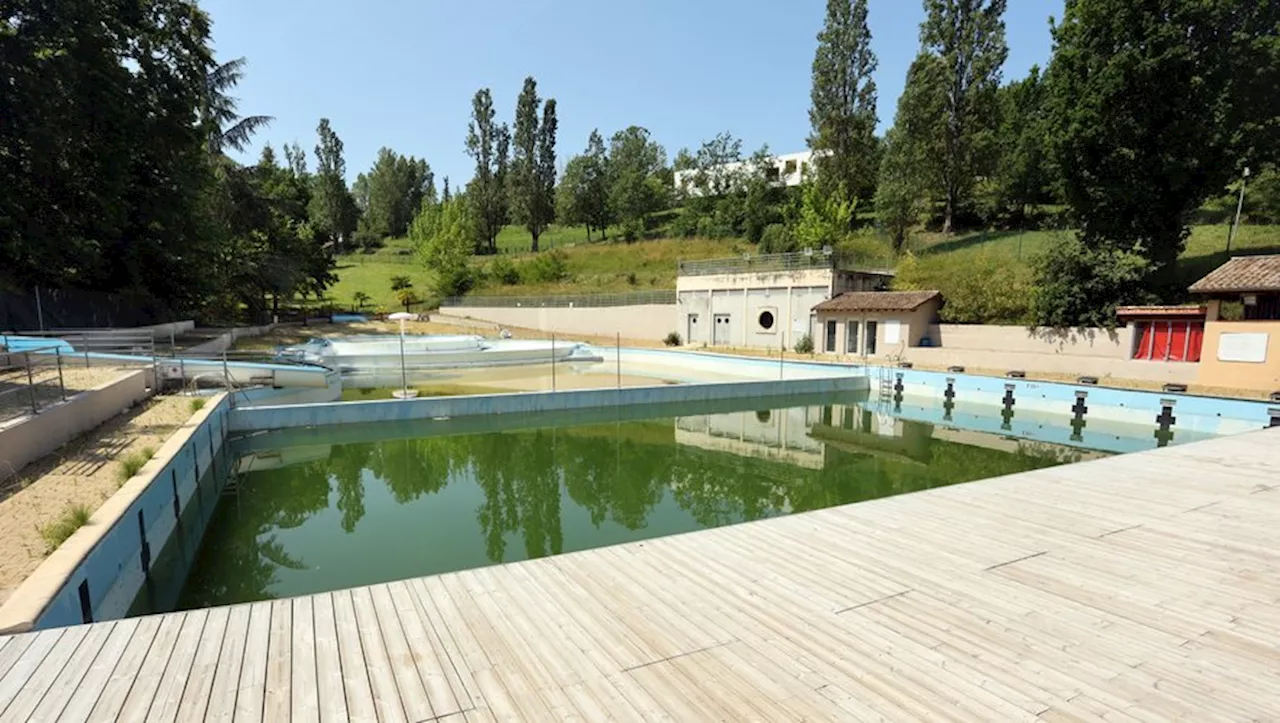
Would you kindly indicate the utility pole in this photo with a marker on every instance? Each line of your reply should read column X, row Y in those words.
column 1239, row 207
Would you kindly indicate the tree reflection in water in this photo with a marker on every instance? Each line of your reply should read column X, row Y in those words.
column 616, row 473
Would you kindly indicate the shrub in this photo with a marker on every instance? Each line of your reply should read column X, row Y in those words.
column 545, row 268
column 777, row 239
column 672, row 339
column 504, row 272
column 804, row 345
column 868, row 248
column 132, row 463
column 73, row 518
column 197, row 404
column 977, row 288
column 1081, row 286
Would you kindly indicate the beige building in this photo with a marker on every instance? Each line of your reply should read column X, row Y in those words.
column 762, row 301
column 1242, row 354
column 875, row 323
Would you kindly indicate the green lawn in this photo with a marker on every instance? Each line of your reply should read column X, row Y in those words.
column 645, row 265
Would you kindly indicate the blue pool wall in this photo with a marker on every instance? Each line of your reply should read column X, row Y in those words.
column 397, row 410
column 111, row 576
column 1209, row 416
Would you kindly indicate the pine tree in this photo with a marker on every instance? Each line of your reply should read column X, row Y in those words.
column 843, row 110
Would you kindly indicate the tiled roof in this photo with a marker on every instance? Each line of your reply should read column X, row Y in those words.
column 1188, row 310
column 1242, row 274
column 878, row 301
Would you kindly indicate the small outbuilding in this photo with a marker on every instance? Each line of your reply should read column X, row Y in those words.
column 1242, row 354
column 875, row 323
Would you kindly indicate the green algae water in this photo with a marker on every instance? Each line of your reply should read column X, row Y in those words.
column 316, row 516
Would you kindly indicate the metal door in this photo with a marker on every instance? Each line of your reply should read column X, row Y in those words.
column 691, row 333
column 720, row 334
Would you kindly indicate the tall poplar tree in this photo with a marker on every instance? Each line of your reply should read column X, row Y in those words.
column 843, row 110
column 968, row 36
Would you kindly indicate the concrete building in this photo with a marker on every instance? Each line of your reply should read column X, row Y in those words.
column 875, row 323
column 1242, row 354
column 788, row 169
column 762, row 301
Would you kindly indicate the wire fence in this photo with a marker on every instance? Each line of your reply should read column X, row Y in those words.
column 585, row 301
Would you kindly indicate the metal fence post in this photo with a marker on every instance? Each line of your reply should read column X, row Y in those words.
column 62, row 387
column 618, row 357
column 31, row 385
column 553, row 362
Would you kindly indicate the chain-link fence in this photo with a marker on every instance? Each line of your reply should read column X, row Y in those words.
column 41, row 308
column 634, row 298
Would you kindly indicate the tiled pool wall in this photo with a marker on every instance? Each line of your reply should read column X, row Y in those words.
column 838, row 381
column 176, row 499
column 1207, row 416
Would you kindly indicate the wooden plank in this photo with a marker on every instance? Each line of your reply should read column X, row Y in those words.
column 332, row 698
column 43, row 675
column 24, row 657
column 204, row 667
column 252, row 690
column 355, row 672
column 304, row 692
column 226, row 675
column 278, row 700
column 152, row 631
column 157, row 690
column 429, row 657
column 48, row 704
column 84, row 695
column 404, row 666
column 377, row 661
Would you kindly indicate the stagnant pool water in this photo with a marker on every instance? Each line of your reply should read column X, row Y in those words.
column 321, row 516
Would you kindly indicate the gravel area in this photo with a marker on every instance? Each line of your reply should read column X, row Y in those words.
column 15, row 399
column 83, row 471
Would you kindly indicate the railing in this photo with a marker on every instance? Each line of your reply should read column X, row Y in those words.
column 824, row 259
column 581, row 301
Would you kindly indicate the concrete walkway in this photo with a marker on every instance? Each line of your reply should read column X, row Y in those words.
column 1142, row 587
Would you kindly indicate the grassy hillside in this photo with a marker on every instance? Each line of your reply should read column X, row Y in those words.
column 1002, row 258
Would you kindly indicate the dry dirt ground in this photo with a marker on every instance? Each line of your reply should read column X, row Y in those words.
column 83, row 471
column 15, row 400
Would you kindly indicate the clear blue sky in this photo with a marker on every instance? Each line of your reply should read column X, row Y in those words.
column 401, row 73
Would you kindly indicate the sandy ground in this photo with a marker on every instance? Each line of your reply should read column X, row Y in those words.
column 81, row 471
column 15, row 399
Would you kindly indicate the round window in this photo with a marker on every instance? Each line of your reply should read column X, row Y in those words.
column 766, row 320
column 763, row 416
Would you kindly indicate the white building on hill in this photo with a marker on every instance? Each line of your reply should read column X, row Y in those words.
column 762, row 301
column 788, row 170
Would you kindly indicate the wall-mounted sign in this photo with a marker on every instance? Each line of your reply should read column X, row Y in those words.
column 1241, row 347
column 892, row 332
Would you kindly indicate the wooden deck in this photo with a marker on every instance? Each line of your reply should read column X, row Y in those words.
column 1143, row 587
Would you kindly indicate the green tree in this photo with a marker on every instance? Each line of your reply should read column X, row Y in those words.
column 296, row 159
column 359, row 300
column 571, row 207
column 105, row 157
column 444, row 238
column 635, row 190
column 219, row 114
column 400, row 282
column 824, row 218
column 843, row 101
column 544, row 206
column 333, row 210
column 968, row 37
column 911, row 166
column 533, row 162
column 489, row 145
column 1023, row 174
column 393, row 192
column 1152, row 108
column 597, row 209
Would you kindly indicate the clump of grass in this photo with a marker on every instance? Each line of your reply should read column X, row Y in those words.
column 73, row 518
column 197, row 404
column 133, row 462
